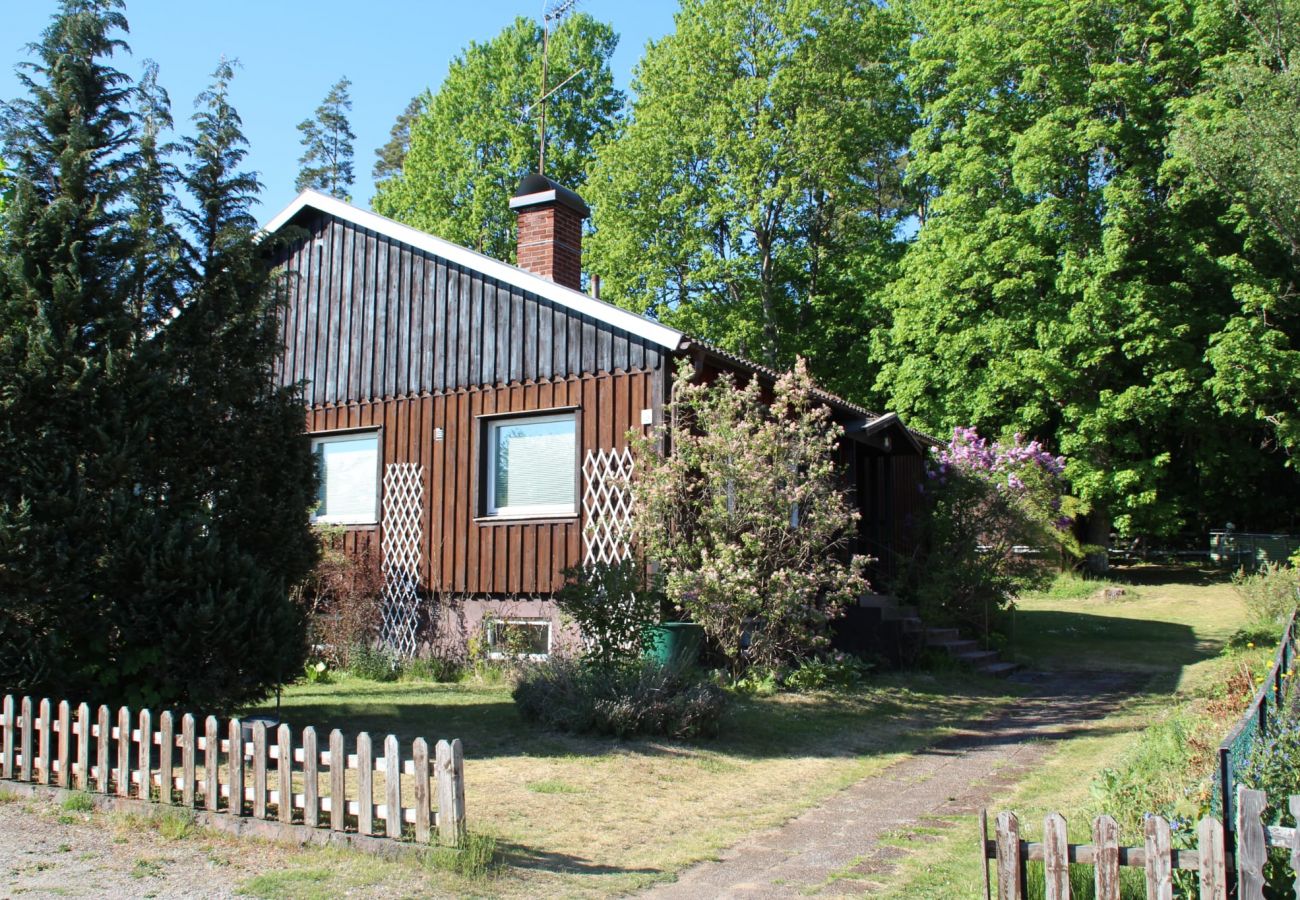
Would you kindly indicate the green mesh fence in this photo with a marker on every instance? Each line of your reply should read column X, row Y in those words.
column 1272, row 699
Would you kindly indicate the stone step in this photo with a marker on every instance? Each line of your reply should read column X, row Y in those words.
column 912, row 626
column 898, row 613
column 877, row 601
column 976, row 657
column 958, row 647
column 936, row 636
column 999, row 669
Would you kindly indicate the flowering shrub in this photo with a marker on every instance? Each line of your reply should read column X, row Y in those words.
column 741, row 506
column 994, row 518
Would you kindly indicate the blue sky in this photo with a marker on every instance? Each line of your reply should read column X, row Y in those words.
column 291, row 52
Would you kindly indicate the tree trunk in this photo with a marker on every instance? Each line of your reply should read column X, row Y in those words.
column 1098, row 536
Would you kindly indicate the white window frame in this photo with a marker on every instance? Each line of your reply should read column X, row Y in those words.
column 490, row 508
column 494, row 622
column 334, row 437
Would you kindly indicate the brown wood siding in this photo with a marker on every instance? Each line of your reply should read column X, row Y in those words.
column 460, row 554
column 370, row 318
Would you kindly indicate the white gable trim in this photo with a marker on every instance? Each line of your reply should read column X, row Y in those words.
column 493, row 268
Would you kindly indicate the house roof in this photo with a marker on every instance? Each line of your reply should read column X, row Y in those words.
column 615, row 316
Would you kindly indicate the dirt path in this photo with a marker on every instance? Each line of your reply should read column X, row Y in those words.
column 836, row 848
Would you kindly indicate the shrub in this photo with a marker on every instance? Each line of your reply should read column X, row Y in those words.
column 1270, row 593
column 373, row 664
column 623, row 701
column 1273, row 766
column 432, row 668
column 835, row 671
column 611, row 606
column 748, row 515
column 340, row 599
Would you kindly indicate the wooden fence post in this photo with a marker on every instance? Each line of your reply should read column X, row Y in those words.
column 123, row 773
column 423, row 799
column 211, row 764
column 451, row 793
column 236, row 767
column 392, row 787
column 259, row 769
column 1011, row 879
column 43, row 737
column 1105, row 838
column 1160, row 864
column 1252, row 851
column 365, row 785
column 1056, row 858
column 1213, row 859
column 83, row 746
column 145, row 763
column 338, row 781
column 310, row 778
column 284, row 768
column 10, row 722
column 65, row 744
column 25, row 748
column 166, row 756
column 103, row 745
column 188, row 749
column 1293, row 805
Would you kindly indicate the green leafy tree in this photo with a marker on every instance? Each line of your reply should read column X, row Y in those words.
column 390, row 158
column 326, row 161
column 154, row 484
column 1241, row 136
column 747, row 516
column 1058, row 286
column 754, row 195
column 477, row 136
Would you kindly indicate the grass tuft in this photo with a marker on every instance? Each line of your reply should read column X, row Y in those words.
column 476, row 858
column 78, row 802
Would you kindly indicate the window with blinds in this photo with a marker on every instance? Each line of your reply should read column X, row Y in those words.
column 532, row 466
column 349, row 478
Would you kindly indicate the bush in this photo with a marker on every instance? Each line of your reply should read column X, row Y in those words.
column 373, row 664
column 340, row 599
column 1270, row 593
column 834, row 672
column 623, row 701
column 611, row 607
column 1273, row 766
column 432, row 668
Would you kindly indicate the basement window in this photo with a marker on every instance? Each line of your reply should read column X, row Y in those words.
column 531, row 466
column 349, row 478
column 518, row 638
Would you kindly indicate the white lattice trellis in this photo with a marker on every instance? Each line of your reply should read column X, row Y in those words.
column 607, row 502
column 403, row 534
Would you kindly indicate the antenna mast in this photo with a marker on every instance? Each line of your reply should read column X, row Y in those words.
column 555, row 12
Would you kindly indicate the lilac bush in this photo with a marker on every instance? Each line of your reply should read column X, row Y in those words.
column 747, row 516
column 993, row 523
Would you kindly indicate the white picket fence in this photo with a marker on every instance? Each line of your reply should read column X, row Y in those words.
column 1220, row 873
column 233, row 769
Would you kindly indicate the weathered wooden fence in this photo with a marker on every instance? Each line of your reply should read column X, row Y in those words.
column 1217, row 870
column 238, row 769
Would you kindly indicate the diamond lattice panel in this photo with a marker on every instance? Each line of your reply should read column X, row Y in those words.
column 402, row 536
column 607, row 502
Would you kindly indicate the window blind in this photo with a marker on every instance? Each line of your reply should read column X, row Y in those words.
column 349, row 490
column 534, row 465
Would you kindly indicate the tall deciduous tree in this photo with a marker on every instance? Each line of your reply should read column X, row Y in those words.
column 390, row 158
column 154, row 484
column 1059, row 286
column 327, row 142
column 754, row 195
column 1241, row 135
column 478, row 135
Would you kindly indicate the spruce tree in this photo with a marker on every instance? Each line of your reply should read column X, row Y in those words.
column 326, row 161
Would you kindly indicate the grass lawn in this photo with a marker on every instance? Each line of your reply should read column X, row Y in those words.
column 1170, row 626
column 584, row 816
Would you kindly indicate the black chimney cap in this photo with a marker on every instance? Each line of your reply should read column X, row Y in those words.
column 537, row 188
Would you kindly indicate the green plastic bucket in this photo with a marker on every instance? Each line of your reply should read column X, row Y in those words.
column 675, row 645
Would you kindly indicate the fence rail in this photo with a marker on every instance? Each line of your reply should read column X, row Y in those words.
column 1220, row 872
column 239, row 769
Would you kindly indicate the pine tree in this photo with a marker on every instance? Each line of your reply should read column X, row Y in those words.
column 326, row 161
column 391, row 156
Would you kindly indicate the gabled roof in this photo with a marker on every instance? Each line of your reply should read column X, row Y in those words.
column 586, row 305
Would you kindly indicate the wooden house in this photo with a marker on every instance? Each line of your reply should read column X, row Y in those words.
column 470, row 415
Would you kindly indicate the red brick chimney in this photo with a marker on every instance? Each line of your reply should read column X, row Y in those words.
column 550, row 230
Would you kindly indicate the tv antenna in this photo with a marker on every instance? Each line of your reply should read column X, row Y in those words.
column 552, row 12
